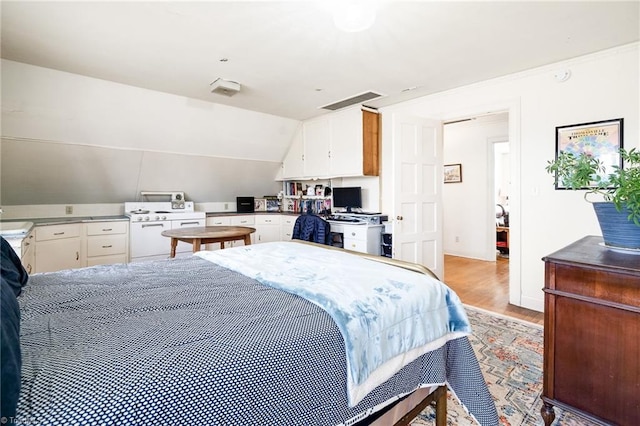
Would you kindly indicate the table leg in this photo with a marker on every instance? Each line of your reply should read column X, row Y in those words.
column 196, row 244
column 247, row 240
column 174, row 244
column 221, row 245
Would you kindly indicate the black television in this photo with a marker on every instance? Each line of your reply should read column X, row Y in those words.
column 349, row 197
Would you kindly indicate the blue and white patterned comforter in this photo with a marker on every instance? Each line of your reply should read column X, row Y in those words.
column 388, row 316
column 186, row 341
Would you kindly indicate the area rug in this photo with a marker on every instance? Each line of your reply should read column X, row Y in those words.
column 510, row 355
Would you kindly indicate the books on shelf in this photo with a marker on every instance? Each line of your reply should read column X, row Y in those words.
column 301, row 197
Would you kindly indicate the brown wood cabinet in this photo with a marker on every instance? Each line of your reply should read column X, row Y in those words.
column 370, row 143
column 592, row 333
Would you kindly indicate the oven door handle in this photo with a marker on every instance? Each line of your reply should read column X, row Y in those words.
column 147, row 225
column 189, row 223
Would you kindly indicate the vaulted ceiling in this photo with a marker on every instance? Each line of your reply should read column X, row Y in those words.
column 289, row 57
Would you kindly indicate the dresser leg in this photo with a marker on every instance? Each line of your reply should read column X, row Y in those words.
column 548, row 414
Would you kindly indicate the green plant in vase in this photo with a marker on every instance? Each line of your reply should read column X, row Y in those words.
column 619, row 187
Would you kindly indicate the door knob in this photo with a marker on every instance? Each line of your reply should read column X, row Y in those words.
column 399, row 217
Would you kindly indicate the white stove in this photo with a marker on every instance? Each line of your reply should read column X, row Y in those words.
column 149, row 218
column 157, row 211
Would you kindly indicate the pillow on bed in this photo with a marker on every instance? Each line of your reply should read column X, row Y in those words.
column 10, row 350
column 12, row 270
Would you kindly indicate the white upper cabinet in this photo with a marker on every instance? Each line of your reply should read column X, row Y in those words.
column 317, row 136
column 344, row 143
column 293, row 164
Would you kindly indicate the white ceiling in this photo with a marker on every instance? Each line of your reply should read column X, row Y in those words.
column 289, row 57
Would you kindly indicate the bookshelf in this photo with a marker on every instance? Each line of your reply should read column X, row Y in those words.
column 298, row 196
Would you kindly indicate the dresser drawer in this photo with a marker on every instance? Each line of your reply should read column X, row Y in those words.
column 106, row 245
column 357, row 232
column 289, row 220
column 595, row 283
column 219, row 221
column 355, row 245
column 107, row 228
column 55, row 232
column 264, row 219
column 242, row 220
column 106, row 260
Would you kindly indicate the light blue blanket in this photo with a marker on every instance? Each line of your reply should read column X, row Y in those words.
column 388, row 316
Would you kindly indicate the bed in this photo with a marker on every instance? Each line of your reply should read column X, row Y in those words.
column 227, row 337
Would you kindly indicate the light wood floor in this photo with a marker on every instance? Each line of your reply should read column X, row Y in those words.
column 485, row 285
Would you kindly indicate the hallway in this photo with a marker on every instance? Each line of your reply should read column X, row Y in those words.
column 485, row 285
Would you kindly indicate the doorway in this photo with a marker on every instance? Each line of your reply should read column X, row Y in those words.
column 481, row 143
column 501, row 187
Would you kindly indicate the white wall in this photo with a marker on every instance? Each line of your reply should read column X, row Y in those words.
column 165, row 142
column 466, row 210
column 602, row 86
column 45, row 104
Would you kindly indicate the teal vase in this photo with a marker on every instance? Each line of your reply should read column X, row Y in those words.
column 617, row 230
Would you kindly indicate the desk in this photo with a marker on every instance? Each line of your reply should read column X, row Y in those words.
column 208, row 234
column 363, row 237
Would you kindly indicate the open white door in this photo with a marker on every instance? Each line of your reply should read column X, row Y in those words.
column 417, row 191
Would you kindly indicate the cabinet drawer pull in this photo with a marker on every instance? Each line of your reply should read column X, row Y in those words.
column 189, row 223
column 109, row 246
column 107, row 229
column 58, row 233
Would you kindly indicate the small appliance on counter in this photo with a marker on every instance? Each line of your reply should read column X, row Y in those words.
column 245, row 204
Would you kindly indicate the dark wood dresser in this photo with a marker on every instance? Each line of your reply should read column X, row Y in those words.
column 592, row 334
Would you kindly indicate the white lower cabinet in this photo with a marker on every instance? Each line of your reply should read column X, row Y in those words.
column 243, row 220
column 107, row 242
column 58, row 247
column 76, row 245
column 267, row 228
column 286, row 227
column 28, row 252
column 218, row 221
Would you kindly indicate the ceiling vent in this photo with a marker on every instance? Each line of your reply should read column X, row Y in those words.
column 225, row 87
column 357, row 99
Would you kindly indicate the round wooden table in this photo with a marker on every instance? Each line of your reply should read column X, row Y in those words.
column 208, row 234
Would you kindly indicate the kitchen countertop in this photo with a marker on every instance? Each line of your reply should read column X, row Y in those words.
column 65, row 220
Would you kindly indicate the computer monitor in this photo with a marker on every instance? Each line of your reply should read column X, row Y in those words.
column 347, row 197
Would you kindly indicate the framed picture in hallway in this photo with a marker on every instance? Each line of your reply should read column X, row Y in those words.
column 599, row 139
column 452, row 173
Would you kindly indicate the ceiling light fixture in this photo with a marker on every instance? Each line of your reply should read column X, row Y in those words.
column 354, row 15
column 225, row 87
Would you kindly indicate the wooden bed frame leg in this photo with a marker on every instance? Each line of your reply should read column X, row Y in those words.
column 441, row 406
column 548, row 413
